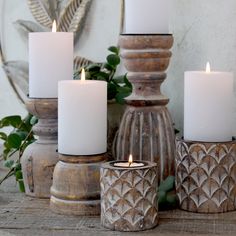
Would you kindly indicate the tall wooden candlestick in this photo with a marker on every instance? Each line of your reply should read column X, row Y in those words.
column 146, row 129
column 40, row 158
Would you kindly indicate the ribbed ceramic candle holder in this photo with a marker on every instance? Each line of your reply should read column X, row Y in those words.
column 146, row 129
column 206, row 176
column 40, row 158
column 76, row 185
column 129, row 197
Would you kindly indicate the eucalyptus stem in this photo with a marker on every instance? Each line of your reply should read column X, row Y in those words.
column 9, row 174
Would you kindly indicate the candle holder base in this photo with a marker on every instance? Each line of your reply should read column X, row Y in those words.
column 146, row 129
column 40, row 158
column 76, row 185
column 206, row 176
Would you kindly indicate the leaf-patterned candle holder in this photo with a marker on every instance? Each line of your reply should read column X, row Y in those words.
column 206, row 176
column 129, row 197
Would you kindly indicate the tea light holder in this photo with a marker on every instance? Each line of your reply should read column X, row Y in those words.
column 146, row 129
column 40, row 158
column 129, row 196
column 206, row 176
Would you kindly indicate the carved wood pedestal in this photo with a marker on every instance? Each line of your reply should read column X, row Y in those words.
column 146, row 129
column 40, row 158
column 206, row 176
column 76, row 185
column 129, row 197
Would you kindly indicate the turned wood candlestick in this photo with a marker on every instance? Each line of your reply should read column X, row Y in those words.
column 40, row 158
column 146, row 130
column 76, row 185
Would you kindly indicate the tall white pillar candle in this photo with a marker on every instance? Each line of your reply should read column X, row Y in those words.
column 146, row 16
column 82, row 117
column 208, row 106
column 50, row 60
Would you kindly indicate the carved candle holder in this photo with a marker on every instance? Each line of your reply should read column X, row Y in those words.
column 206, row 176
column 40, row 158
column 76, row 185
column 146, row 129
column 129, row 197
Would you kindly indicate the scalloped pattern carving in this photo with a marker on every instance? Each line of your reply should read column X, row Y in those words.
column 206, row 176
column 129, row 199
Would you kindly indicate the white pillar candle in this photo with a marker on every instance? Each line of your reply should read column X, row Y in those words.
column 50, row 60
column 146, row 17
column 208, row 106
column 82, row 117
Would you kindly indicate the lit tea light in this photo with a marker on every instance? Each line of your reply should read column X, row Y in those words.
column 128, row 164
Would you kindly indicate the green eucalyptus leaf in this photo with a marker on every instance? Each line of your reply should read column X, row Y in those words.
column 17, row 166
column 3, row 136
column 114, row 49
column 27, row 119
column 14, row 121
column 93, row 67
column 9, row 163
column 21, row 186
column 119, row 79
column 120, row 97
column 113, row 60
column 161, row 197
column 102, row 76
column 171, row 199
column 33, row 120
column 168, row 184
column 111, row 91
column 18, row 175
column 108, row 67
column 124, row 90
column 128, row 84
column 14, row 140
column 22, row 134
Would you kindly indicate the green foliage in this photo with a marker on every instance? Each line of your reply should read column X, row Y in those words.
column 118, row 87
column 166, row 194
column 15, row 143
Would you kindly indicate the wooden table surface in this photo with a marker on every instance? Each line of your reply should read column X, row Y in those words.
column 21, row 215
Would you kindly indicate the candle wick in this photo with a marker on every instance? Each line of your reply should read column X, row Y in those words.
column 130, row 164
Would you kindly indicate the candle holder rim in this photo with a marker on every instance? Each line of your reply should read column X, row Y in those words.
column 110, row 165
column 151, row 34
column 181, row 139
column 212, row 72
column 74, row 81
column 41, row 99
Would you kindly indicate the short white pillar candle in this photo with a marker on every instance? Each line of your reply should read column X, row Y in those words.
column 82, row 117
column 208, row 106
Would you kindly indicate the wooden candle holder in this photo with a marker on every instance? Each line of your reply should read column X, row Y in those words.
column 40, row 158
column 146, row 130
column 76, row 185
column 206, row 176
column 129, row 197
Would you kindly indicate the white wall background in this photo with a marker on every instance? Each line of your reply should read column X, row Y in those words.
column 203, row 31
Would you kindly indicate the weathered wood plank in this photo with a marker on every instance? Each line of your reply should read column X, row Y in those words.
column 20, row 215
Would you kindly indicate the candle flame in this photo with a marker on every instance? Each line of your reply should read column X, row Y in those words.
column 130, row 159
column 54, row 26
column 208, row 67
column 83, row 75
